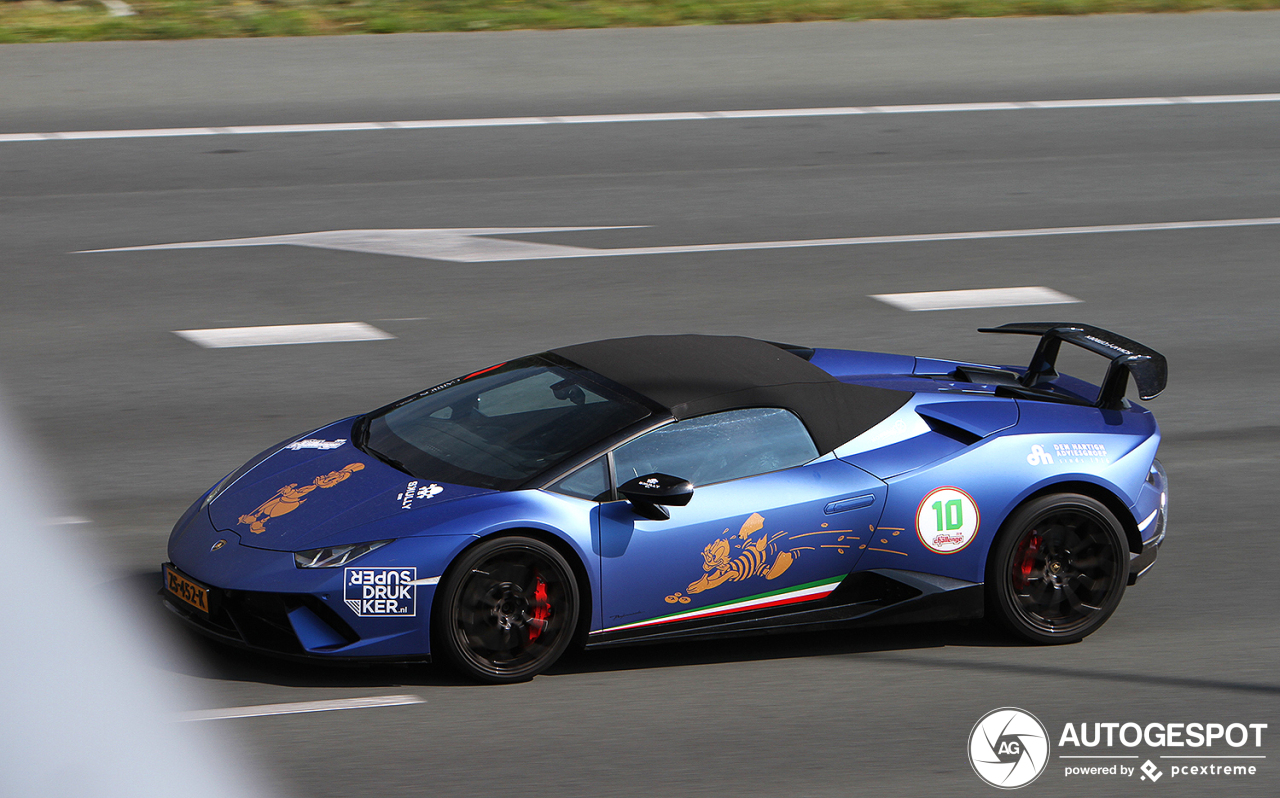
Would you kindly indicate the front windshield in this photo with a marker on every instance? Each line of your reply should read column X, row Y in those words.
column 498, row 428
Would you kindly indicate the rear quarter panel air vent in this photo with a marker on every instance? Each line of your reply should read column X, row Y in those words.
column 969, row 421
column 958, row 434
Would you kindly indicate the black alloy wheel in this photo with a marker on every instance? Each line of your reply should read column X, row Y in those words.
column 1058, row 569
column 506, row 611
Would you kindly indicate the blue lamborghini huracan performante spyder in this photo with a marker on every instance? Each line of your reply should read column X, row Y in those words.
column 665, row 487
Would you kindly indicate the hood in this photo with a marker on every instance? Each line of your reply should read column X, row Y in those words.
column 319, row 486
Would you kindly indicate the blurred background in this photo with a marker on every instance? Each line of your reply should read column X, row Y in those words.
column 132, row 421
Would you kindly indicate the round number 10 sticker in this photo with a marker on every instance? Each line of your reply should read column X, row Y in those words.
column 947, row 520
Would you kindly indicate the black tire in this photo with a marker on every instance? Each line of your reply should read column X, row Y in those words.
column 506, row 610
column 1058, row 569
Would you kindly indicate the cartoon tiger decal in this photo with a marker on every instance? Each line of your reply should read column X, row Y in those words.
column 769, row 555
column 291, row 497
column 760, row 557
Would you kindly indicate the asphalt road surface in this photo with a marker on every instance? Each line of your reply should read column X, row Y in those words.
column 133, row 421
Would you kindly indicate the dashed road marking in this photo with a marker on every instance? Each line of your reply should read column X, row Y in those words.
column 678, row 116
column 301, row 707
column 284, row 334
column 67, row 520
column 977, row 298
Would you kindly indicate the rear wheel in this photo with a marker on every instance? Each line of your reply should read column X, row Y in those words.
column 1058, row 569
column 507, row 610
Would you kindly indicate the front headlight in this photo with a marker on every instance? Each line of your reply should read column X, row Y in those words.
column 334, row 556
column 1160, row 481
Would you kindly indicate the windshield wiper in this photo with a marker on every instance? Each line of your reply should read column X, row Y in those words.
column 391, row 461
column 360, row 432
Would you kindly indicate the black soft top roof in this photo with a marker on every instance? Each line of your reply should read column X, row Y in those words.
column 692, row 375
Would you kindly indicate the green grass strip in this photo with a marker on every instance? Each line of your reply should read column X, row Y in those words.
column 88, row 20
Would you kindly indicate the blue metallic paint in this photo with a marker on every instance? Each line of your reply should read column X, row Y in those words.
column 646, row 564
column 639, row 569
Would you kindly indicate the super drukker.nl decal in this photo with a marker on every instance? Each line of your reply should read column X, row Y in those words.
column 381, row 592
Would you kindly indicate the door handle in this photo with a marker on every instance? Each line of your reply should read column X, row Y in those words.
column 855, row 503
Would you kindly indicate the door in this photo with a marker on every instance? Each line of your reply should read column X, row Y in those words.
column 768, row 524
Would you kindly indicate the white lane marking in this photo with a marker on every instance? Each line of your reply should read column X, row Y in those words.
column 67, row 520
column 284, row 334
column 301, row 707
column 676, row 116
column 460, row 245
column 469, row 245
column 976, row 298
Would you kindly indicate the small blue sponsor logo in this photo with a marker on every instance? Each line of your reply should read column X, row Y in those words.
column 379, row 592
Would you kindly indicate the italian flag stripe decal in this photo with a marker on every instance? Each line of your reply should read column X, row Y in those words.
column 774, row 598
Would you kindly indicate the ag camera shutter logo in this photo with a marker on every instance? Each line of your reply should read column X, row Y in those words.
column 1009, row 748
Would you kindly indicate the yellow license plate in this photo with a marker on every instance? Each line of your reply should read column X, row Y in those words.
column 183, row 588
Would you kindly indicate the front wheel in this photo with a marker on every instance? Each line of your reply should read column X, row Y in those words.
column 507, row 610
column 1058, row 569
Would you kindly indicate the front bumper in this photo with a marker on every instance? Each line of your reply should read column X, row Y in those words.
column 1142, row 561
column 259, row 599
column 1153, row 527
column 292, row 625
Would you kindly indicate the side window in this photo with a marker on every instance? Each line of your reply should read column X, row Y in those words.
column 591, row 482
column 719, row 447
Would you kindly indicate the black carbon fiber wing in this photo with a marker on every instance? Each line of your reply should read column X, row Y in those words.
column 1149, row 369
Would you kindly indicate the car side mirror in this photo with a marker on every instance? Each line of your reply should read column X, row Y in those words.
column 648, row 493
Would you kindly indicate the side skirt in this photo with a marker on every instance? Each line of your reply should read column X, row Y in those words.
column 865, row 598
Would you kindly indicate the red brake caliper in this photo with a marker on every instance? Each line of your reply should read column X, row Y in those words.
column 1026, row 560
column 541, row 610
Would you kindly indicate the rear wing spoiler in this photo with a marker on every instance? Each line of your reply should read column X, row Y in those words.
column 1148, row 367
